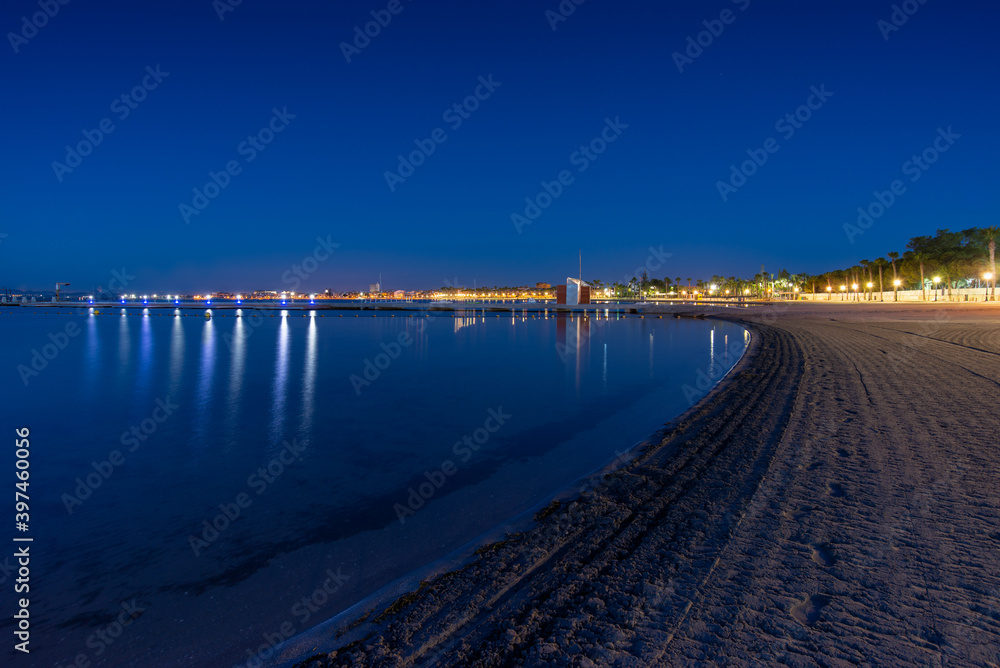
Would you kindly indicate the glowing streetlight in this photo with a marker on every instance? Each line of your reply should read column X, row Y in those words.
column 936, row 279
column 989, row 277
column 895, row 289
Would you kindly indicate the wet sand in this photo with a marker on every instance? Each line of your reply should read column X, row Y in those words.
column 835, row 501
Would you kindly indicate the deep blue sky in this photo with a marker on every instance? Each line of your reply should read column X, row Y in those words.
column 323, row 176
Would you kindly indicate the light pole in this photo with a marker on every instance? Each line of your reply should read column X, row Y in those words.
column 937, row 279
column 871, row 295
column 854, row 286
column 843, row 289
column 829, row 290
column 989, row 277
column 895, row 290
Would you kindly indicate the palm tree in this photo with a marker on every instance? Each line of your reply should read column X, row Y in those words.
column 992, row 234
column 865, row 264
column 920, row 258
column 893, row 256
column 880, row 263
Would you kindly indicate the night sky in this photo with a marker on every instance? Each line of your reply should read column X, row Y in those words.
column 213, row 84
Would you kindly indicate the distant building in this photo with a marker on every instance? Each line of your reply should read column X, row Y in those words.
column 374, row 288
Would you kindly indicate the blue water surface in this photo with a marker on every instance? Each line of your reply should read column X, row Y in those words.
column 196, row 481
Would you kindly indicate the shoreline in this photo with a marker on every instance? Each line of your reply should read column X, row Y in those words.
column 646, row 567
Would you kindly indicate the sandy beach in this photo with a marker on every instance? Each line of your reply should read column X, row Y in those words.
column 835, row 501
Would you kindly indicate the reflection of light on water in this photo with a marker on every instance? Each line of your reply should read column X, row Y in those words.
column 309, row 380
column 145, row 354
column 463, row 322
column 725, row 352
column 206, row 373
column 578, row 325
column 711, row 354
column 93, row 351
column 123, row 341
column 650, row 354
column 176, row 355
column 238, row 350
column 280, row 380
column 604, row 374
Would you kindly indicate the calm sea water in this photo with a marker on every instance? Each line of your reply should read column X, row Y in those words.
column 201, row 488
